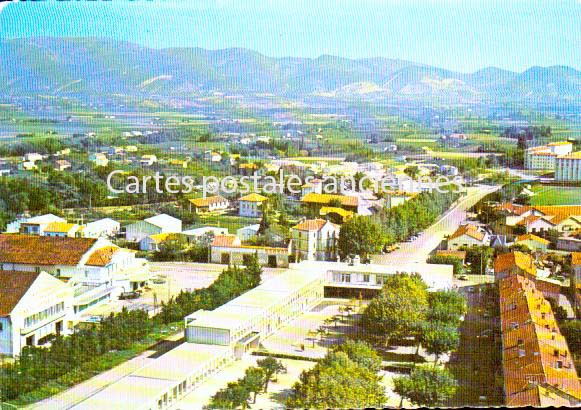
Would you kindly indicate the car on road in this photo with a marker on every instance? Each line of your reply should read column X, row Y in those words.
column 158, row 281
column 462, row 277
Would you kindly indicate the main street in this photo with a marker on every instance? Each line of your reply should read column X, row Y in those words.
column 420, row 249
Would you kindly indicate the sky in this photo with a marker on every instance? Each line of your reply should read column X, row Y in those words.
column 462, row 35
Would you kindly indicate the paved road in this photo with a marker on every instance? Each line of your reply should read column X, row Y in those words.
column 428, row 240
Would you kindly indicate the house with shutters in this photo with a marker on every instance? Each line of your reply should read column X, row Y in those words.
column 228, row 249
column 209, row 204
column 315, row 239
column 468, row 235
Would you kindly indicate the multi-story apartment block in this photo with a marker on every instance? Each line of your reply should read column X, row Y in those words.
column 544, row 157
column 568, row 168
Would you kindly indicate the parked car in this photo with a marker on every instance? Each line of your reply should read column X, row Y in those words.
column 128, row 295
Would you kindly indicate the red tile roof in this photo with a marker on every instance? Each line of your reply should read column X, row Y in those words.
column 13, row 286
column 226, row 240
column 536, row 358
column 43, row 250
column 469, row 230
column 310, row 225
column 102, row 256
column 522, row 261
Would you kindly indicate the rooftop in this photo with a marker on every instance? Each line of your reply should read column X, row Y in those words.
column 522, row 261
column 210, row 200
column 13, row 286
column 470, row 230
column 43, row 250
column 325, row 199
column 253, row 197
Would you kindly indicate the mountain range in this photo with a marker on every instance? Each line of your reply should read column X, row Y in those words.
column 89, row 67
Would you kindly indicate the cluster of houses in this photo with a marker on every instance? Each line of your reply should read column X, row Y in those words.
column 31, row 161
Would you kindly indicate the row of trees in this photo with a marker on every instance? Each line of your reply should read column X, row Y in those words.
column 255, row 381
column 346, row 378
column 363, row 235
column 37, row 366
column 231, row 283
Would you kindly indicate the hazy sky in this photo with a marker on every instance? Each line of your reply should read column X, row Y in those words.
column 463, row 35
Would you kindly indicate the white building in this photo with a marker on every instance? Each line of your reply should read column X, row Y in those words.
column 33, row 307
column 102, row 228
column 544, row 157
column 251, row 205
column 32, row 157
column 468, row 235
column 96, row 268
column 197, row 233
column 257, row 313
column 36, row 224
column 99, row 159
column 568, row 167
column 315, row 239
column 209, row 204
column 228, row 249
column 148, row 160
column 161, row 223
column 248, row 232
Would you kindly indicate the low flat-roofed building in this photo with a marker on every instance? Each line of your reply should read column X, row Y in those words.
column 228, row 249
column 258, row 312
column 163, row 382
column 365, row 280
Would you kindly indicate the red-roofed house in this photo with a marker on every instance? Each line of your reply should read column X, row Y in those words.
column 468, row 235
column 315, row 239
column 228, row 249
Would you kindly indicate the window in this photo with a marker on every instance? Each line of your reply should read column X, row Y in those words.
column 0, row 326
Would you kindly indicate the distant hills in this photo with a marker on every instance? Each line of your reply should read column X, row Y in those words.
column 92, row 67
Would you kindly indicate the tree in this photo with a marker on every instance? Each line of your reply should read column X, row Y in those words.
column 448, row 260
column 412, row 171
column 254, row 380
column 271, row 368
column 234, row 395
column 426, row 386
column 254, row 270
column 361, row 353
column 337, row 382
column 571, row 330
column 446, row 306
column 361, row 236
column 399, row 310
column 439, row 338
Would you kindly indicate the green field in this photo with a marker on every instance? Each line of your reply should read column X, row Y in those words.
column 556, row 195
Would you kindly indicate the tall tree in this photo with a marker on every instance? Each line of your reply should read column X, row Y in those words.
column 337, row 382
column 254, row 380
column 399, row 310
column 360, row 236
column 271, row 368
